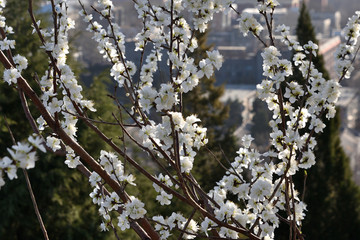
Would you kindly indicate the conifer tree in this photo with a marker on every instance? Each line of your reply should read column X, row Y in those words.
column 260, row 129
column 305, row 32
column 332, row 196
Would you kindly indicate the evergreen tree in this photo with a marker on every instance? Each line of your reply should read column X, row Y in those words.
column 235, row 118
column 260, row 130
column 305, row 32
column 332, row 197
column 204, row 100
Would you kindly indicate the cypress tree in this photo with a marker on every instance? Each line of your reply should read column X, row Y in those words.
column 260, row 129
column 305, row 32
column 332, row 197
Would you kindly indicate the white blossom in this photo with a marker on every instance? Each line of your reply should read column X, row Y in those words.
column 11, row 75
column 53, row 143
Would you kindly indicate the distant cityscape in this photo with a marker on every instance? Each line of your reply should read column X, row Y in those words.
column 242, row 68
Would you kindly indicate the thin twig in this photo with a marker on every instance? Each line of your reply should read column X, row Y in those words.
column 304, row 188
column 187, row 224
column 28, row 184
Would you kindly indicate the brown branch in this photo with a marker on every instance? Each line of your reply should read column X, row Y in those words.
column 27, row 112
column 304, row 187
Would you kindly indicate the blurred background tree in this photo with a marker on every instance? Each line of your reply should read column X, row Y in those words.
column 260, row 129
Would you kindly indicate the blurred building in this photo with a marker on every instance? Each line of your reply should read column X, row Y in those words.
column 327, row 48
column 317, row 5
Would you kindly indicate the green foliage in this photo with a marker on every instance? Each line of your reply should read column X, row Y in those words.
column 260, row 130
column 235, row 118
column 26, row 45
column 305, row 30
column 62, row 193
column 62, row 197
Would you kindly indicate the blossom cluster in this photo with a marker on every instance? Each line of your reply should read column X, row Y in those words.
column 130, row 210
column 259, row 184
column 176, row 221
column 12, row 74
column 61, row 92
column 247, row 23
column 22, row 155
column 295, row 106
column 164, row 198
column 176, row 135
column 347, row 51
column 184, row 73
column 160, row 137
